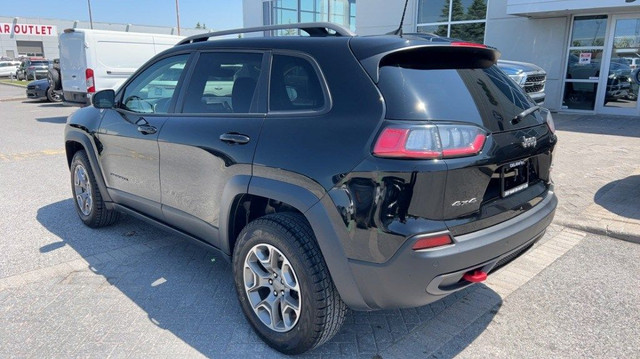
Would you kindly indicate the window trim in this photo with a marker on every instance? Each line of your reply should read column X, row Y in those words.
column 174, row 97
column 262, row 80
column 328, row 100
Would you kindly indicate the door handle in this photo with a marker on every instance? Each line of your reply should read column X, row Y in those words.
column 232, row 137
column 147, row 129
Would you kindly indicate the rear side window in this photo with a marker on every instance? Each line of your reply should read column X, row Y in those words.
column 223, row 82
column 294, row 85
column 484, row 96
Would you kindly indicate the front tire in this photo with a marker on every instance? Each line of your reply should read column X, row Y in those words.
column 53, row 96
column 86, row 194
column 283, row 284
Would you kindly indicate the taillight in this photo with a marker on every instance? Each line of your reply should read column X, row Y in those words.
column 431, row 241
column 91, row 85
column 429, row 141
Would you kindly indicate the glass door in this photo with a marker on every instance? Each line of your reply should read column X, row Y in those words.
column 584, row 63
column 622, row 60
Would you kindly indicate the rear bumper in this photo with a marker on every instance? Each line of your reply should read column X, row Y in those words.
column 415, row 278
column 76, row 98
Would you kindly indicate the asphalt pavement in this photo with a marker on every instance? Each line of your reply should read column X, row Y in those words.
column 131, row 290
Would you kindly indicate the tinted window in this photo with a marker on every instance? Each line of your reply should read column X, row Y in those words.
column 223, row 82
column 152, row 90
column 486, row 97
column 294, row 85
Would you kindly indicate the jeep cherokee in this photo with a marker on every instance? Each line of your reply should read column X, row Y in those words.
column 333, row 171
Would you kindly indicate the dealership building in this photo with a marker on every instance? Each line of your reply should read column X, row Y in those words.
column 23, row 36
column 587, row 47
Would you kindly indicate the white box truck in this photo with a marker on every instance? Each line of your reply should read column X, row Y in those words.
column 94, row 60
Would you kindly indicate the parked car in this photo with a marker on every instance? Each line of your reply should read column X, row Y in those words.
column 340, row 171
column 8, row 68
column 40, row 89
column 530, row 77
column 93, row 60
column 32, row 69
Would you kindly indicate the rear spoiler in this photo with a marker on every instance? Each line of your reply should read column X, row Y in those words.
column 455, row 55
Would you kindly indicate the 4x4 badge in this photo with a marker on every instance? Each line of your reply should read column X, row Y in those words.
column 528, row 142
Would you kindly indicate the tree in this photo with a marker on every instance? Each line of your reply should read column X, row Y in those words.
column 477, row 10
column 457, row 14
column 457, row 11
column 204, row 26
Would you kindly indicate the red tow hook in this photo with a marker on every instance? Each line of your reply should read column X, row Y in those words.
column 476, row 276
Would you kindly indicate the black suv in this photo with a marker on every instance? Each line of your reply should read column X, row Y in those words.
column 333, row 170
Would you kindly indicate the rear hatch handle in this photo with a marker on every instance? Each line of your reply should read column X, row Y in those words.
column 519, row 117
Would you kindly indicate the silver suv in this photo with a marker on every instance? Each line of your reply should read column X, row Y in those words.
column 530, row 77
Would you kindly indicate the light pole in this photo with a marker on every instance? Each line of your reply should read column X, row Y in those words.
column 90, row 16
column 178, row 15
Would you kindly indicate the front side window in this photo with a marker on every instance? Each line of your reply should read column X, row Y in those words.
column 223, row 82
column 459, row 19
column 294, row 85
column 151, row 91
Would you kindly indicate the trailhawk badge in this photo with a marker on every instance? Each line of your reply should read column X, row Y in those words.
column 528, row 142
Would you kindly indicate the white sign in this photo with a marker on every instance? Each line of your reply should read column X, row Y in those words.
column 28, row 29
column 585, row 58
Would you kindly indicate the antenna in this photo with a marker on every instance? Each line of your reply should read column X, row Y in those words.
column 398, row 31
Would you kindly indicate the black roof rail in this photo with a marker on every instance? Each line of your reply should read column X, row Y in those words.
column 318, row 29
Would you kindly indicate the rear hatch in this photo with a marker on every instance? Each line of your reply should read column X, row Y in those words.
column 455, row 106
column 73, row 62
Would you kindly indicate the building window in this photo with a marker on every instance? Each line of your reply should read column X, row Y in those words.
column 460, row 19
column 341, row 12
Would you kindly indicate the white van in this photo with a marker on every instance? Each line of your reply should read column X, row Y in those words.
column 94, row 60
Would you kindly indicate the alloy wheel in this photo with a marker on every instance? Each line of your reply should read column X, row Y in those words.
column 272, row 287
column 82, row 190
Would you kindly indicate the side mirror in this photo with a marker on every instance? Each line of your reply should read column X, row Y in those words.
column 104, row 99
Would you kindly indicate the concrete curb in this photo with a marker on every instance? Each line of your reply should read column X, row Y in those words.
column 13, row 99
column 629, row 232
column 614, row 214
column 14, row 85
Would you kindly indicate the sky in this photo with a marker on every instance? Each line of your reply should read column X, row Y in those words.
column 216, row 14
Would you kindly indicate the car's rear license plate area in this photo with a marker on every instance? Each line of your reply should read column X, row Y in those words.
column 514, row 177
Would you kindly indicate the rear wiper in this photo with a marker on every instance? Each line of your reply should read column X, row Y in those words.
column 524, row 114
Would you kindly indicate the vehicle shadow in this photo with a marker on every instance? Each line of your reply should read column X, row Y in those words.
column 188, row 290
column 57, row 119
column 620, row 197
column 599, row 124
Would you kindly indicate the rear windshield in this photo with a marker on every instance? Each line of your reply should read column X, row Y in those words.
column 39, row 62
column 484, row 96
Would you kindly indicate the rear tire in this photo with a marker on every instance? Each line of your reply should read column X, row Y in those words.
column 282, row 249
column 86, row 194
